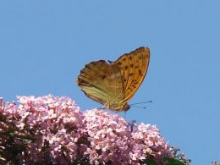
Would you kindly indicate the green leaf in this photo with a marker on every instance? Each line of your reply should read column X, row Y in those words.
column 173, row 161
column 150, row 162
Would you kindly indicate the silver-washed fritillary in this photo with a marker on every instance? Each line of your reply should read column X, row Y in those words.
column 114, row 83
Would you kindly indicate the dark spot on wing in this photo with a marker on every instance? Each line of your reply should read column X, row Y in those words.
column 131, row 65
column 134, row 82
column 86, row 66
column 102, row 61
column 126, row 67
column 140, row 57
column 130, row 89
column 131, row 74
column 124, row 59
column 140, row 72
column 103, row 77
column 119, row 63
column 82, row 71
column 130, row 57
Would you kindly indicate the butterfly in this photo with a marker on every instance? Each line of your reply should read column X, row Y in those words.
column 114, row 83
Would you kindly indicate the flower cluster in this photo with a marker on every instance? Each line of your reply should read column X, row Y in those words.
column 53, row 130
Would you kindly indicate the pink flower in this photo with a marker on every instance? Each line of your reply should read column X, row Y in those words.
column 54, row 129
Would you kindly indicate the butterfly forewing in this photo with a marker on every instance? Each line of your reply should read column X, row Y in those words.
column 133, row 68
column 102, row 82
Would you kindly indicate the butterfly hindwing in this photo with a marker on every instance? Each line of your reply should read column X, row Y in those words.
column 102, row 82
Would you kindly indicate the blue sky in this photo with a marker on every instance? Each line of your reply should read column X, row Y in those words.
column 45, row 44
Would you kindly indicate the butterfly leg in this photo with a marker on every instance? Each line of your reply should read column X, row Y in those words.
column 107, row 104
column 103, row 106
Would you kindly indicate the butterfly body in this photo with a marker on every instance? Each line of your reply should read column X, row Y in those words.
column 114, row 83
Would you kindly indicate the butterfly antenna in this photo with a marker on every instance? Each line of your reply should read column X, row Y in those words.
column 144, row 102
column 138, row 107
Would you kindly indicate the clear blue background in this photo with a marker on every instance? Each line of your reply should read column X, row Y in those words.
column 45, row 44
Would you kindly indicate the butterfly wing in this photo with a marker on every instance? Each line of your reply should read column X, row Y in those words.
column 133, row 68
column 103, row 83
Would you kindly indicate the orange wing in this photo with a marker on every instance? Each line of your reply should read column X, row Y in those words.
column 102, row 82
column 133, row 68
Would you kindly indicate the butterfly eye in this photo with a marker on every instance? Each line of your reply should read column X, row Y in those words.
column 127, row 107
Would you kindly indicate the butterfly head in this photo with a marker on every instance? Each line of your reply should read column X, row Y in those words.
column 125, row 107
